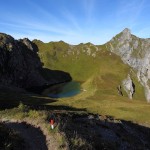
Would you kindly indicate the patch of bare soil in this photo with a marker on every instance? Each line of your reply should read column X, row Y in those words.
column 35, row 136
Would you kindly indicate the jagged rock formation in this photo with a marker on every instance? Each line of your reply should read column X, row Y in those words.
column 135, row 52
column 128, row 86
column 20, row 65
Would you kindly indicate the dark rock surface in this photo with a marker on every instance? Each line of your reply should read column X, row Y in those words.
column 21, row 67
column 96, row 132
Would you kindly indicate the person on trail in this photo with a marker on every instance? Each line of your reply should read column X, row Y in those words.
column 52, row 121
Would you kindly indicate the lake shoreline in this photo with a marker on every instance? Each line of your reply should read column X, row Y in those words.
column 40, row 89
column 62, row 90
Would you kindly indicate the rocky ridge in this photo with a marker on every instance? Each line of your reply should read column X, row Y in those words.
column 21, row 67
column 135, row 52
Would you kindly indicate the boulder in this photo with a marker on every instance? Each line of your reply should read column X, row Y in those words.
column 128, row 86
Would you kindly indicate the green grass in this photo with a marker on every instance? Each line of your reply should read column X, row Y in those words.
column 100, row 77
column 93, row 100
column 11, row 140
column 120, row 108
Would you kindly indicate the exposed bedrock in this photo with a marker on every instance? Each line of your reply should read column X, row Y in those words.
column 20, row 65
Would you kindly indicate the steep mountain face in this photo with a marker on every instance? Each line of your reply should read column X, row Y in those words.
column 20, row 65
column 135, row 52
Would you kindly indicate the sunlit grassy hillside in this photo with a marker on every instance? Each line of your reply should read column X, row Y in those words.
column 100, row 72
column 92, row 65
column 82, row 61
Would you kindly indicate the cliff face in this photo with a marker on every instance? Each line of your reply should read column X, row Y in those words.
column 135, row 52
column 20, row 65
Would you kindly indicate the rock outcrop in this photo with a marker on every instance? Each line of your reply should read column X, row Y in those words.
column 135, row 52
column 20, row 65
column 128, row 86
column 119, row 88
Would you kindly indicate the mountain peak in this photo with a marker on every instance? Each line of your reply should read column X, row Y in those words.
column 126, row 31
column 125, row 35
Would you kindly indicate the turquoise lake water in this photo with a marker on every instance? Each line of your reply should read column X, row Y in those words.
column 64, row 90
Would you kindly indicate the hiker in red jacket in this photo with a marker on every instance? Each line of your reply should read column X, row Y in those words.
column 52, row 121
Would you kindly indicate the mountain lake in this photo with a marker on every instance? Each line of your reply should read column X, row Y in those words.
column 63, row 90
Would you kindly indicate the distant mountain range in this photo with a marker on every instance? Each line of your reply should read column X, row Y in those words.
column 120, row 67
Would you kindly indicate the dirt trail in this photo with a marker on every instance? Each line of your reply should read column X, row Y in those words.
column 33, row 136
column 83, row 131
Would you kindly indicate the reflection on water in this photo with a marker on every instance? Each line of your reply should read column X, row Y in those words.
column 63, row 90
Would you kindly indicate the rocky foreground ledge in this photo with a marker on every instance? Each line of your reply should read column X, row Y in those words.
column 34, row 135
column 96, row 132
column 80, row 130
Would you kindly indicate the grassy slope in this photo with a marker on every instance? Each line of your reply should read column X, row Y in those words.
column 100, row 77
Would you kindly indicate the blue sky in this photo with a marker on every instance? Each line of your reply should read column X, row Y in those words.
column 74, row 21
